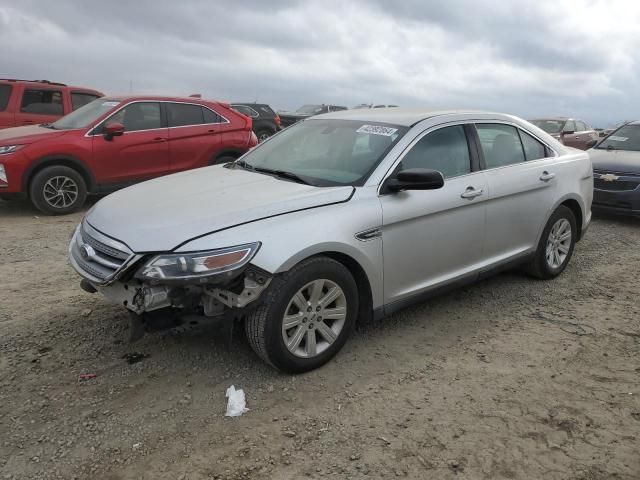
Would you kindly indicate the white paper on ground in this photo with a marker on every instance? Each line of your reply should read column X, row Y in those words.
column 236, row 405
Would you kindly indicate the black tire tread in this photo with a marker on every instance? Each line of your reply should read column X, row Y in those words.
column 256, row 321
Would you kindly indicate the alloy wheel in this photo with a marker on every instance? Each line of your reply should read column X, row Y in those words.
column 558, row 243
column 314, row 318
column 60, row 192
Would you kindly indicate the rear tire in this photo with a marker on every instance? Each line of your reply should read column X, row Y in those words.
column 58, row 190
column 298, row 339
column 556, row 245
column 263, row 135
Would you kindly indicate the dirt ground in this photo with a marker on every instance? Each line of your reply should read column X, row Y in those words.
column 511, row 378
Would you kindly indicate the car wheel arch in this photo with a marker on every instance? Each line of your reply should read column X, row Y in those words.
column 62, row 160
column 229, row 152
column 575, row 204
column 357, row 270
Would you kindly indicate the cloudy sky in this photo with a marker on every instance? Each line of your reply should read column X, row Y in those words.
column 528, row 57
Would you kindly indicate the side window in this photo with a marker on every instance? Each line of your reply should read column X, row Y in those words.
column 81, row 99
column 500, row 144
column 183, row 114
column 570, row 126
column 211, row 117
column 42, row 102
column 581, row 127
column 138, row 116
column 533, row 149
column 445, row 150
column 5, row 95
column 248, row 111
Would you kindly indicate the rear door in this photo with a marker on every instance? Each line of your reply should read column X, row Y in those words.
column 431, row 237
column 7, row 118
column 570, row 135
column 39, row 105
column 142, row 152
column 521, row 176
column 194, row 135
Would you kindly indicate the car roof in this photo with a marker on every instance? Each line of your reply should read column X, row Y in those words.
column 46, row 83
column 161, row 98
column 399, row 116
column 559, row 119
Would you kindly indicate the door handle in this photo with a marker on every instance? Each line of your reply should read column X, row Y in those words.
column 546, row 176
column 159, row 139
column 211, row 131
column 471, row 193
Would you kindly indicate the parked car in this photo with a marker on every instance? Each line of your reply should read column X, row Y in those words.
column 114, row 142
column 371, row 105
column 571, row 132
column 289, row 118
column 616, row 171
column 30, row 102
column 346, row 215
column 266, row 122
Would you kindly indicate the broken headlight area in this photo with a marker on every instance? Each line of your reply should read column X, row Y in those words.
column 212, row 299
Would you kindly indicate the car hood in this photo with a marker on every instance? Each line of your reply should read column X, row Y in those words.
column 161, row 214
column 619, row 161
column 27, row 134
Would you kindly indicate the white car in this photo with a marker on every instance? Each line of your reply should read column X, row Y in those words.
column 344, row 216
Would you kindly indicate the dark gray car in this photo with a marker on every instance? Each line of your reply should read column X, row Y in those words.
column 616, row 171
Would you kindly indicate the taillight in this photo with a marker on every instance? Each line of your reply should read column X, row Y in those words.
column 277, row 120
column 249, row 123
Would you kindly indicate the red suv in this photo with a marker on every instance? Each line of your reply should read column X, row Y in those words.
column 114, row 142
column 29, row 102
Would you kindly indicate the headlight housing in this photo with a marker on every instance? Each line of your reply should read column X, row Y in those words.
column 197, row 266
column 9, row 149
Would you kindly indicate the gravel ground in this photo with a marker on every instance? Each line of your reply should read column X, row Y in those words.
column 511, row 378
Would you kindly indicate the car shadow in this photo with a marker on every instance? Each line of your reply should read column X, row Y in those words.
column 17, row 208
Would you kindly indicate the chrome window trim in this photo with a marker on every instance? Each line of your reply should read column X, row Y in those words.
column 91, row 129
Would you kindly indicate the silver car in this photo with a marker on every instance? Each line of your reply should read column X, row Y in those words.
column 342, row 217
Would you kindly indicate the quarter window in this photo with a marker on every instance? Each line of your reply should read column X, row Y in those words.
column 138, row 116
column 211, row 117
column 42, row 102
column 248, row 111
column 445, row 150
column 500, row 145
column 182, row 114
column 81, row 99
column 5, row 95
column 533, row 149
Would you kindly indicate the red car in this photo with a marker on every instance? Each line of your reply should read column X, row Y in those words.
column 114, row 142
column 29, row 102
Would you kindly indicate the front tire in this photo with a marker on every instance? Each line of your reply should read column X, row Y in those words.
column 222, row 160
column 306, row 316
column 556, row 245
column 58, row 190
column 262, row 135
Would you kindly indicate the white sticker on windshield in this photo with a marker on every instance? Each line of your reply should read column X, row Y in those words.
column 618, row 139
column 377, row 130
column 110, row 104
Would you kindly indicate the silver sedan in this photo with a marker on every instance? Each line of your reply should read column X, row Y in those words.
column 344, row 216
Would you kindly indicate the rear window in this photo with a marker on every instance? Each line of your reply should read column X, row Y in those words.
column 183, row 114
column 5, row 94
column 79, row 99
column 42, row 102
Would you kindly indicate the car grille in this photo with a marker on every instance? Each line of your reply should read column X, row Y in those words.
column 97, row 257
column 623, row 182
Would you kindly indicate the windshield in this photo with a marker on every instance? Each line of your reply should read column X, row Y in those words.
column 310, row 109
column 85, row 115
column 327, row 152
column 625, row 138
column 550, row 126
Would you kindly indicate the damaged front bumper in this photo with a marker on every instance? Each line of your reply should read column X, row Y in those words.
column 202, row 284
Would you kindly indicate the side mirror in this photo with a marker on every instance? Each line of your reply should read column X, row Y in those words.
column 567, row 132
column 414, row 179
column 113, row 130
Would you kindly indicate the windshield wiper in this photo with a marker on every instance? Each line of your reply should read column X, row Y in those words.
column 611, row 147
column 47, row 125
column 283, row 174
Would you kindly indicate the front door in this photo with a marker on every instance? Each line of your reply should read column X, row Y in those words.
column 141, row 153
column 432, row 237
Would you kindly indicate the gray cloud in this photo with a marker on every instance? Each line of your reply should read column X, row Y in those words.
column 530, row 58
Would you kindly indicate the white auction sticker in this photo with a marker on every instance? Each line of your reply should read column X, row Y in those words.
column 377, row 130
column 618, row 139
column 110, row 104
